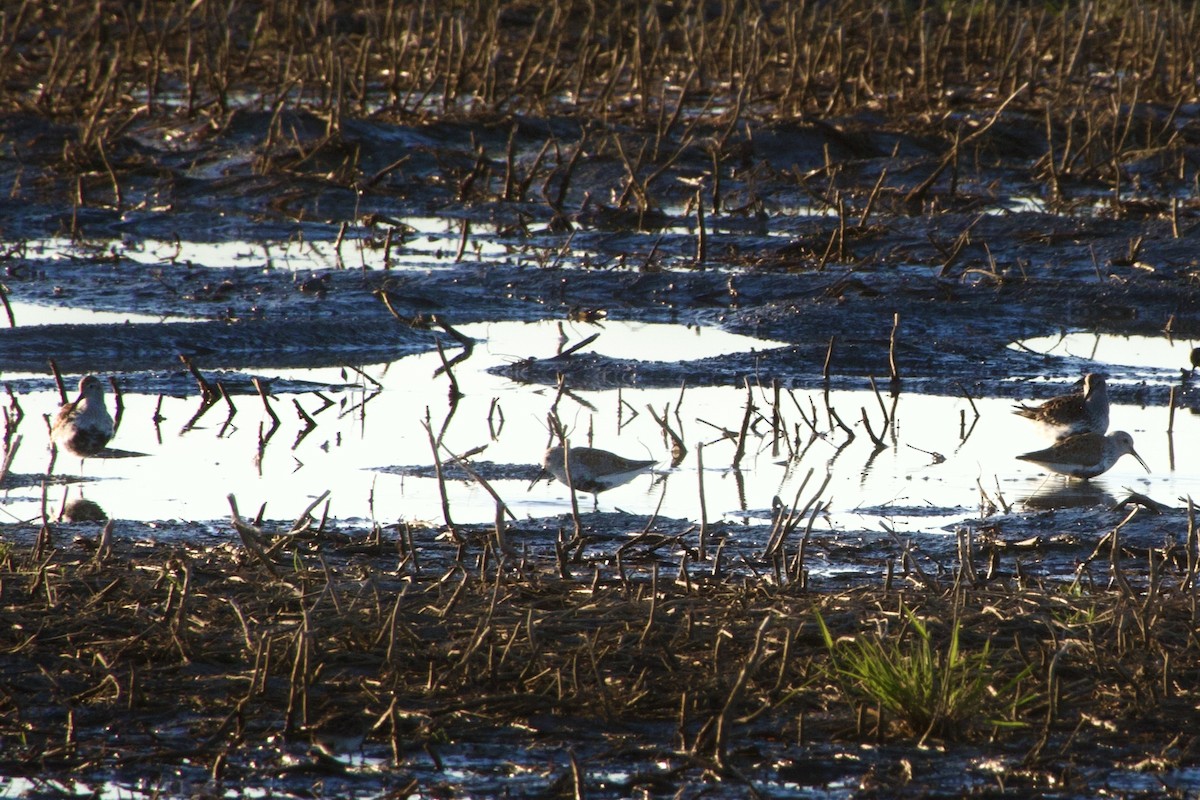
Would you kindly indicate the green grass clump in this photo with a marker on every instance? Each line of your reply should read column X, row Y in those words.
column 931, row 691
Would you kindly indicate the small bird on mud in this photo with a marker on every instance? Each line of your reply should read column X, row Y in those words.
column 592, row 470
column 1085, row 455
column 1072, row 414
column 83, row 427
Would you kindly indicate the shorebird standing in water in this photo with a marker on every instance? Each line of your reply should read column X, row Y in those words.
column 1085, row 455
column 83, row 427
column 592, row 470
column 1072, row 414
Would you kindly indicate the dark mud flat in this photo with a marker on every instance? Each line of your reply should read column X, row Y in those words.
column 897, row 192
column 612, row 664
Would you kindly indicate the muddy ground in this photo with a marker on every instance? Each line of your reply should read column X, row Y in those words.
column 915, row 244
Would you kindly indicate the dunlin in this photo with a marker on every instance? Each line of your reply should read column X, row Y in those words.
column 1071, row 414
column 593, row 470
column 1085, row 455
column 84, row 426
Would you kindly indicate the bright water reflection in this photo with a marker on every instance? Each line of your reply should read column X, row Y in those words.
column 1146, row 352
column 935, row 467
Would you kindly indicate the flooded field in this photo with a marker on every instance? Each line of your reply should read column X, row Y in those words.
column 942, row 459
column 344, row 273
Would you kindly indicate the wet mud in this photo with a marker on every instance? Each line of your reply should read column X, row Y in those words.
column 911, row 246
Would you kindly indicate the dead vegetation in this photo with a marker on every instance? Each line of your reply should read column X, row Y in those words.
column 1094, row 95
column 211, row 653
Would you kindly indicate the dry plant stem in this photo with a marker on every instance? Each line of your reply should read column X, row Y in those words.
column 887, row 418
column 779, row 527
column 578, row 346
column 1118, row 573
column 501, row 506
column 833, row 415
column 798, row 512
column 441, row 479
column 866, row 215
column 58, row 381
column 309, row 422
column 455, row 394
column 305, row 519
column 262, row 392
column 741, row 440
column 207, row 393
column 799, row 574
column 9, row 455
column 558, row 432
column 703, row 501
column 228, row 399
column 776, row 419
column 970, row 400
column 678, row 448
column 725, row 719
column 892, row 351
column 880, row 444
column 12, row 320
column 462, row 240
column 251, row 537
column 918, row 194
column 104, row 547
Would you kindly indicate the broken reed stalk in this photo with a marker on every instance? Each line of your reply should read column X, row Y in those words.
column 728, row 711
column 678, row 448
column 303, row 521
column 1193, row 554
column 970, row 400
column 1171, row 411
column 1171, row 430
column 779, row 527
column 228, row 398
column 9, row 456
column 741, row 440
column 1117, row 572
column 462, row 240
column 455, row 394
column 501, row 507
column 441, row 478
column 262, row 392
column 251, row 537
column 880, row 444
column 12, row 320
column 799, row 573
column 104, row 546
column 207, row 393
column 58, row 381
column 833, row 415
column 703, row 502
column 789, row 524
column 892, row 352
column 309, row 422
column 866, row 215
column 887, row 417
column 556, row 428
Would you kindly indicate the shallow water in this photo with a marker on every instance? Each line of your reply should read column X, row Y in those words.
column 939, row 467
